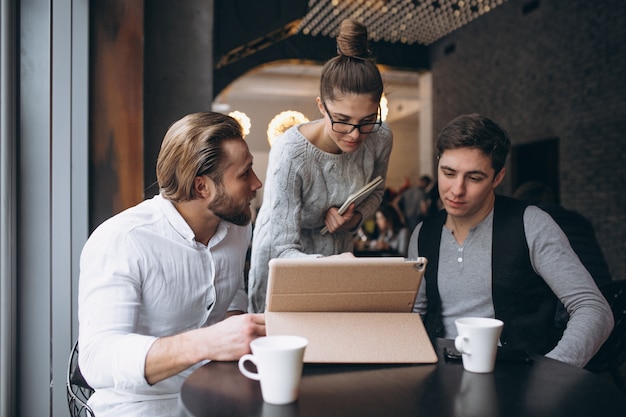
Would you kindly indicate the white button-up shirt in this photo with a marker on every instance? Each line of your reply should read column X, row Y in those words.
column 143, row 276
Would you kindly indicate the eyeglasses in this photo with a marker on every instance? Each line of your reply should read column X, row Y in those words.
column 345, row 128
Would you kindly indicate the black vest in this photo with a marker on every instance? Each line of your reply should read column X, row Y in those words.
column 522, row 299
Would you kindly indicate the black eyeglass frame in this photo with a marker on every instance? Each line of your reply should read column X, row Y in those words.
column 375, row 125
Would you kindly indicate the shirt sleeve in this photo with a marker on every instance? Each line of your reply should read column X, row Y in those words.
column 421, row 301
column 112, row 354
column 591, row 318
column 402, row 241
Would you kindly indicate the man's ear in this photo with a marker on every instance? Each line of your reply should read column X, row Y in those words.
column 201, row 186
column 499, row 177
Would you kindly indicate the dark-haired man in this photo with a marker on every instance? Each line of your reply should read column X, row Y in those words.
column 494, row 256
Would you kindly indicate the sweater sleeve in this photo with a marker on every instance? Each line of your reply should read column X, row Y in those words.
column 288, row 174
column 552, row 257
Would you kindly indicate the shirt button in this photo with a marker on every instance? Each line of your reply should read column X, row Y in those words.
column 460, row 249
column 460, row 259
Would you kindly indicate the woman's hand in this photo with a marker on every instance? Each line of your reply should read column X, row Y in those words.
column 347, row 221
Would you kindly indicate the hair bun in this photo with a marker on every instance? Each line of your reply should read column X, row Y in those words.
column 352, row 39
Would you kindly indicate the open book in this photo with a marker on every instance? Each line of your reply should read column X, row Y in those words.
column 357, row 197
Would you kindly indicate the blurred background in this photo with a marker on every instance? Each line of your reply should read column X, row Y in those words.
column 89, row 88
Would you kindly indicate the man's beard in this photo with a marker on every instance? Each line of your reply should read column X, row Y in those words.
column 224, row 207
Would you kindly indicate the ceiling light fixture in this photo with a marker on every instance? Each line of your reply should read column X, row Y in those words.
column 244, row 121
column 283, row 121
column 384, row 108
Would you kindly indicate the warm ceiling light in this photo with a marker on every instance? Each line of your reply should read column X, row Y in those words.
column 243, row 120
column 384, row 110
column 283, row 121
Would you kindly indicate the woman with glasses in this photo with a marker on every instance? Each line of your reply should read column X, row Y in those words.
column 313, row 167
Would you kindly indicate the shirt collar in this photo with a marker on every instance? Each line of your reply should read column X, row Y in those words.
column 487, row 220
column 220, row 233
column 182, row 227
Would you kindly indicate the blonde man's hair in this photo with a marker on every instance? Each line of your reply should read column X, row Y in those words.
column 193, row 146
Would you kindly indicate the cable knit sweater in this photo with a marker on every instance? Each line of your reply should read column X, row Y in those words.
column 302, row 183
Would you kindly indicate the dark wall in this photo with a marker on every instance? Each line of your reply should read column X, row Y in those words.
column 178, row 70
column 550, row 69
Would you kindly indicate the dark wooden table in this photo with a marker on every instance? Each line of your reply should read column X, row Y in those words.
column 545, row 388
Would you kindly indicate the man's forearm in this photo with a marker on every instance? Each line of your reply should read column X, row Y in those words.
column 169, row 356
column 226, row 340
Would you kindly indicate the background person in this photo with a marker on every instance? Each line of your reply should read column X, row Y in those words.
column 413, row 202
column 314, row 167
column 393, row 236
column 159, row 281
column 494, row 256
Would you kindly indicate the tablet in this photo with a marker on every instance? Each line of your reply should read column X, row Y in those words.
column 352, row 310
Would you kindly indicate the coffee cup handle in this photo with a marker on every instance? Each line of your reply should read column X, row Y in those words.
column 461, row 343
column 242, row 361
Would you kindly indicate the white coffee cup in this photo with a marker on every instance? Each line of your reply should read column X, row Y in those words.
column 278, row 360
column 478, row 342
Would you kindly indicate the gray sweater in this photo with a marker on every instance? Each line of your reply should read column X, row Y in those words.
column 465, row 283
column 302, row 183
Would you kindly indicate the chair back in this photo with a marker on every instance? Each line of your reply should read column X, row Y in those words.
column 78, row 390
